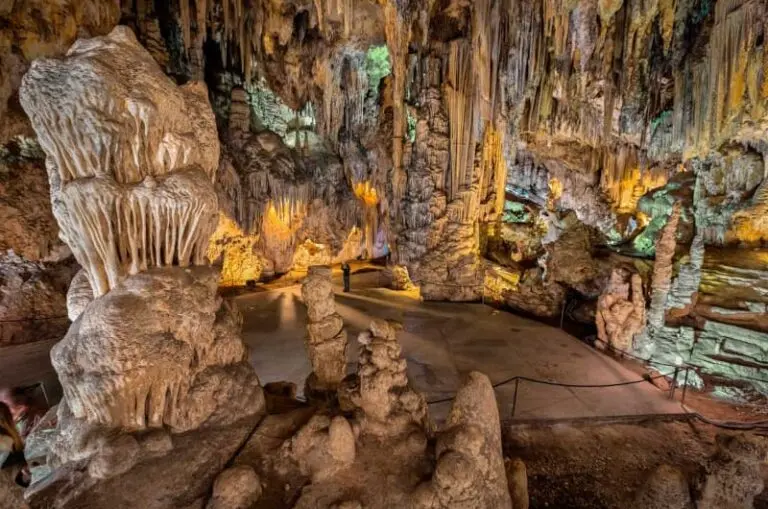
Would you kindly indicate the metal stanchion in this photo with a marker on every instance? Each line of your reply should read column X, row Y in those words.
column 685, row 385
column 674, row 383
column 514, row 398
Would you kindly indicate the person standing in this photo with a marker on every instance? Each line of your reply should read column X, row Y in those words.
column 345, row 269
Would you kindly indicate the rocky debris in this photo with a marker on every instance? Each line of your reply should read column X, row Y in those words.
column 386, row 405
column 159, row 479
column 517, row 481
column 323, row 447
column 235, row 488
column 621, row 310
column 666, row 487
column 326, row 339
column 470, row 469
column 732, row 476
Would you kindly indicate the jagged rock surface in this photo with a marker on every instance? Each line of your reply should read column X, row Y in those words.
column 386, row 404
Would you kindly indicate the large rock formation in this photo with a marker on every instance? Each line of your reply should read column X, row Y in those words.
column 131, row 160
column 621, row 311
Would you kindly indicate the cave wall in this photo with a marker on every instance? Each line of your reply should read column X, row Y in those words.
column 516, row 148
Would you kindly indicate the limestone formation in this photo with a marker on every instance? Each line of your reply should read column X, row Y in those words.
column 470, row 469
column 132, row 360
column 400, row 278
column 661, row 282
column 621, row 310
column 326, row 338
column 322, row 447
column 517, row 480
column 130, row 158
column 152, row 349
column 386, row 404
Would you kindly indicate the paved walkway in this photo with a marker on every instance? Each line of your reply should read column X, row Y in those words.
column 441, row 342
column 444, row 340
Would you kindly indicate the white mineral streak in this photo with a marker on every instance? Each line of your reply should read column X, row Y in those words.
column 130, row 156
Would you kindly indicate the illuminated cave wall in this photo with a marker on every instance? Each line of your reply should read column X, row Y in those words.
column 526, row 146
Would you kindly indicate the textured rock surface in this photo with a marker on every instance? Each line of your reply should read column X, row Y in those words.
column 326, row 338
column 155, row 153
column 159, row 349
column 732, row 477
column 235, row 488
column 665, row 487
column 517, row 480
column 470, row 468
column 621, row 310
column 387, row 405
column 159, row 480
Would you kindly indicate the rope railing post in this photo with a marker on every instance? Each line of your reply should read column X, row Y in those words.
column 674, row 383
column 685, row 385
column 514, row 398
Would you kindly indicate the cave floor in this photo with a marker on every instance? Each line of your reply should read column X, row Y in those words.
column 441, row 341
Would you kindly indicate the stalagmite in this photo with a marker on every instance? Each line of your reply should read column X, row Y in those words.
column 470, row 468
column 326, row 337
column 661, row 282
column 385, row 403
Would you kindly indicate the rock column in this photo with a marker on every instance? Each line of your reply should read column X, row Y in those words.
column 326, row 338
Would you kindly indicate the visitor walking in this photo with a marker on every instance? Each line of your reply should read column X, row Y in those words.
column 345, row 269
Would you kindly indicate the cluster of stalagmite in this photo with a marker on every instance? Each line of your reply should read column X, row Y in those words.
column 326, row 338
column 621, row 310
column 386, row 403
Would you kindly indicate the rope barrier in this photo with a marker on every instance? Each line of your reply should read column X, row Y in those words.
column 557, row 384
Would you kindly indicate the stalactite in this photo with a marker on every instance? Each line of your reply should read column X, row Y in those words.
column 396, row 28
column 623, row 178
column 459, row 89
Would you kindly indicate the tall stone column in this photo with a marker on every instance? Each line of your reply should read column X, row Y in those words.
column 131, row 158
column 326, row 337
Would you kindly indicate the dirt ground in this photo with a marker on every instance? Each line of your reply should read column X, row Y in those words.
column 601, row 466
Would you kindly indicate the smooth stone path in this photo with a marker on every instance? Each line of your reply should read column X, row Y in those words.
column 441, row 341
